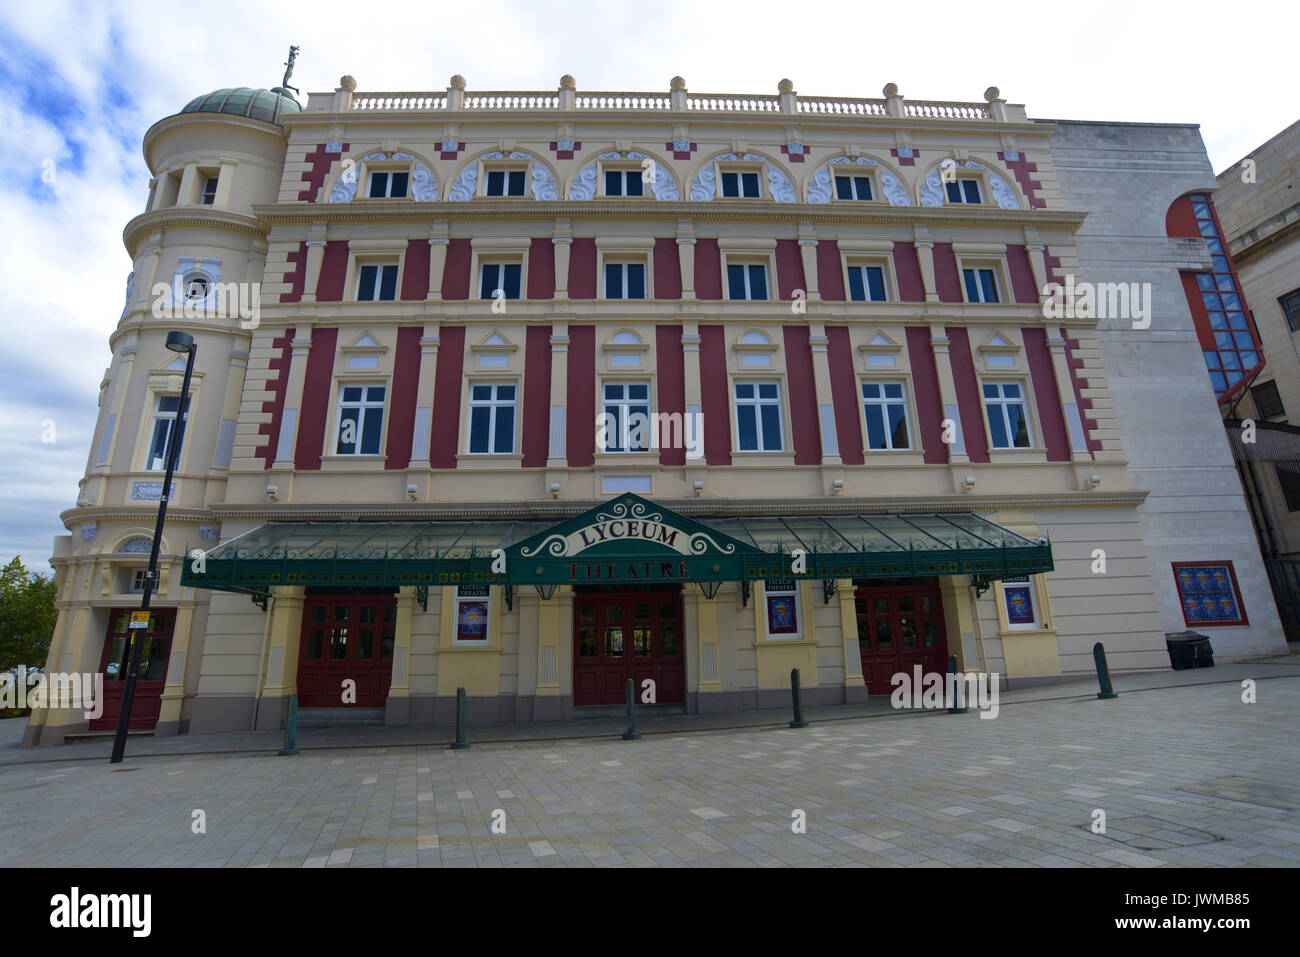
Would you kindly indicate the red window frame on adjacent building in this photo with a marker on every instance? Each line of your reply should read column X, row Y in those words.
column 1187, row 593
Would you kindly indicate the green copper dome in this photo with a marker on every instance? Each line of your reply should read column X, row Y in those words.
column 268, row 105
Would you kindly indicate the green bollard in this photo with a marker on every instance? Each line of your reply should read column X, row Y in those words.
column 460, row 744
column 291, row 728
column 631, row 734
column 798, row 721
column 952, row 670
column 1103, row 673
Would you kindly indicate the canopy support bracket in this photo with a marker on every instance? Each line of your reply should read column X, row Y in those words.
column 828, row 589
column 422, row 596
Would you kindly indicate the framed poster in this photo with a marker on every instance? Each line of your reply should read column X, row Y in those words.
column 472, row 613
column 1209, row 594
column 782, row 607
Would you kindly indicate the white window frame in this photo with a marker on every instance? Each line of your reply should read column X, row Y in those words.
column 624, row 405
column 863, row 265
column 209, row 197
column 501, row 263
column 883, row 403
column 380, row 265
column 492, row 404
column 364, row 406
column 159, row 417
column 977, row 268
column 740, row 171
column 623, row 262
column 388, row 171
column 963, row 201
column 853, row 177
column 1001, row 402
column 794, row 592
column 626, row 173
column 757, row 403
column 745, row 264
column 506, row 170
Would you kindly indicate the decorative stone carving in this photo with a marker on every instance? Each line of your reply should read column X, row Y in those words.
column 932, row 190
column 584, row 187
column 149, row 491
column 423, row 187
column 780, row 185
column 1003, row 194
column 463, row 189
column 334, row 146
column 138, row 545
column 895, row 191
column 821, row 185
column 562, row 146
column 1011, row 156
column 705, row 186
column 681, row 146
column 544, row 183
column 449, row 146
column 89, row 531
column 209, row 533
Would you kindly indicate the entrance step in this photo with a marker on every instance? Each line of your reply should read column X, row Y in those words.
column 338, row 717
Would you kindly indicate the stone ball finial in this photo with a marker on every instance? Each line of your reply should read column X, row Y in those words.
column 891, row 89
column 348, row 82
column 785, row 86
column 992, row 93
column 457, row 82
column 567, row 82
column 677, row 83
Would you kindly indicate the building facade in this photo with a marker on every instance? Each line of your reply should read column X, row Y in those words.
column 539, row 393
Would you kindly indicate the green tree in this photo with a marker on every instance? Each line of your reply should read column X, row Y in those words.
column 27, row 616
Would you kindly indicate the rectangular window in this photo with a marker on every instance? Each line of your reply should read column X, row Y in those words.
column 964, row 191
column 138, row 578
column 885, row 405
column 1290, row 304
column 853, row 187
column 492, row 418
column 1021, row 602
column 624, row 280
column 1008, row 421
column 981, row 284
column 1268, row 404
column 361, row 419
column 758, row 417
column 1289, row 479
column 627, row 423
column 506, row 277
column 782, row 598
column 867, row 283
column 624, row 182
column 473, row 609
column 388, row 185
column 209, row 191
column 1209, row 593
column 505, row 182
column 377, row 283
column 747, row 281
column 738, row 184
column 164, row 425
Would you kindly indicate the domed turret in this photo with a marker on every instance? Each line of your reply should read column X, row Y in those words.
column 268, row 105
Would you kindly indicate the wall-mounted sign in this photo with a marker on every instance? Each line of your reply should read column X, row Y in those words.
column 1209, row 593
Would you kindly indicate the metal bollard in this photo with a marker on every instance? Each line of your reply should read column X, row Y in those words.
column 1103, row 673
column 952, row 670
column 631, row 734
column 461, row 743
column 798, row 721
column 291, row 728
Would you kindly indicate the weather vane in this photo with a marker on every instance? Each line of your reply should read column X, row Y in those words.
column 293, row 55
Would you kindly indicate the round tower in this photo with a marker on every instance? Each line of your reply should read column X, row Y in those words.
column 198, row 252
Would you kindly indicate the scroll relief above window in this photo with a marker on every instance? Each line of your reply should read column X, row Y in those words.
column 499, row 168
column 623, row 174
column 385, row 176
column 705, row 186
column 856, row 178
column 935, row 188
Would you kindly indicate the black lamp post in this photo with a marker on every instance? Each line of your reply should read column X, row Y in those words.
column 176, row 342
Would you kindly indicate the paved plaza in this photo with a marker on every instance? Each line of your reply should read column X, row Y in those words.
column 1186, row 775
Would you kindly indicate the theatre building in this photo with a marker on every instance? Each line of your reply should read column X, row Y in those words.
column 538, row 392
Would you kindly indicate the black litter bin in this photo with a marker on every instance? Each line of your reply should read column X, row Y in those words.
column 1189, row 649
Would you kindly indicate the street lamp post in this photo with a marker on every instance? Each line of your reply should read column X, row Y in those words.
column 176, row 342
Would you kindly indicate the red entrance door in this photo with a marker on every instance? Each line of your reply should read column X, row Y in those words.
column 346, row 637
column 621, row 635
column 900, row 625
column 154, row 655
